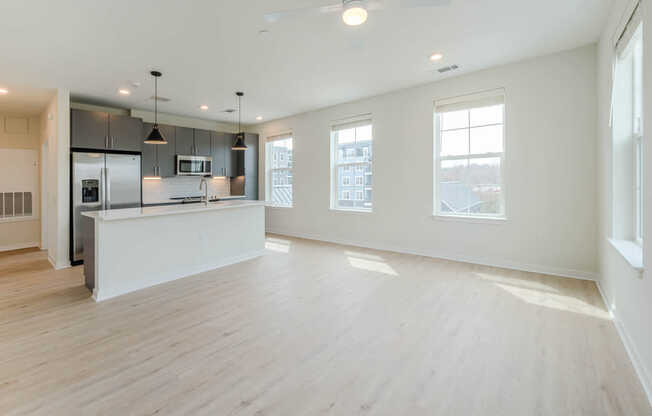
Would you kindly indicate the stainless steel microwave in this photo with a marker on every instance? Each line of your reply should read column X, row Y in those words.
column 194, row 165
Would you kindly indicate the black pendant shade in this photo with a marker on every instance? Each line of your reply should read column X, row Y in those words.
column 240, row 137
column 239, row 142
column 155, row 136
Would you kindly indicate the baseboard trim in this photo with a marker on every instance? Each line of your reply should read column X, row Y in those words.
column 99, row 296
column 644, row 377
column 19, row 246
column 533, row 268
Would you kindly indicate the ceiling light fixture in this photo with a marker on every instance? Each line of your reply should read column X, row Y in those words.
column 124, row 91
column 436, row 56
column 354, row 13
column 155, row 136
column 259, row 118
column 4, row 91
column 203, row 107
column 239, row 138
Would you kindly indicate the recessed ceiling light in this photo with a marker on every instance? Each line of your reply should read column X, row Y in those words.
column 124, row 91
column 4, row 91
column 259, row 118
column 354, row 12
column 436, row 56
column 203, row 107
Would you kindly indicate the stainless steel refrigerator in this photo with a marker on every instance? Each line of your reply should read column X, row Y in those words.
column 101, row 181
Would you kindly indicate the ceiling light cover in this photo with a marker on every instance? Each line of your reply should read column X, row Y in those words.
column 4, row 91
column 124, row 91
column 354, row 13
column 155, row 136
column 436, row 56
column 203, row 107
column 259, row 118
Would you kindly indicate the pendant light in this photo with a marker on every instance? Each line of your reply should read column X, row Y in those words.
column 155, row 136
column 239, row 138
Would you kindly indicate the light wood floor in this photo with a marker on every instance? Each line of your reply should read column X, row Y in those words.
column 312, row 329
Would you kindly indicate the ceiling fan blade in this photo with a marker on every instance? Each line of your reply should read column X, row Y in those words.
column 304, row 11
column 424, row 3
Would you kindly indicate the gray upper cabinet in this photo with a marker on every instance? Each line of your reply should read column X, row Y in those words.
column 126, row 133
column 185, row 141
column 149, row 153
column 103, row 131
column 218, row 152
column 89, row 129
column 202, row 142
column 159, row 159
column 167, row 152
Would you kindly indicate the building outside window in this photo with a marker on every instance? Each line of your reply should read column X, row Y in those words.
column 469, row 156
column 351, row 166
column 628, row 134
column 278, row 151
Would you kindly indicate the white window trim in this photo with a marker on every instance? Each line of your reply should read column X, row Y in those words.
column 487, row 96
column 361, row 120
column 269, row 171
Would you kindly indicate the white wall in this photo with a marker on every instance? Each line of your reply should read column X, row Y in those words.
column 550, row 171
column 627, row 292
column 57, row 131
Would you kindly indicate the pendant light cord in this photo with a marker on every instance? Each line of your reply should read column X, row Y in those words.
column 156, row 101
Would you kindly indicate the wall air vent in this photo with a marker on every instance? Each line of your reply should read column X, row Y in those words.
column 160, row 99
column 447, row 68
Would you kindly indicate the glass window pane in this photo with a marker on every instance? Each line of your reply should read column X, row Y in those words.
column 487, row 139
column 487, row 115
column 453, row 191
column 345, row 136
column 363, row 133
column 455, row 142
column 454, row 119
column 484, row 184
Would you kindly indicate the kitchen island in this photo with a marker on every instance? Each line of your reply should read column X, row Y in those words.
column 134, row 248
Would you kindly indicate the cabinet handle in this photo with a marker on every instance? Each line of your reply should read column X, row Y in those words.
column 106, row 141
column 112, row 142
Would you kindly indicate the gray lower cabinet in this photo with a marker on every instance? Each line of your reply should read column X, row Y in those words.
column 125, row 133
column 185, row 141
column 159, row 159
column 89, row 129
column 202, row 142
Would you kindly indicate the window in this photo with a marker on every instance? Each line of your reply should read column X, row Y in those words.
column 627, row 130
column 278, row 151
column 469, row 156
column 351, row 151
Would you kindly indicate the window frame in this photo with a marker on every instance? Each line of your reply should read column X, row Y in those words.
column 270, row 170
column 359, row 121
column 467, row 102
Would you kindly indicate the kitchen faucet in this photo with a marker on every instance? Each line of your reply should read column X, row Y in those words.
column 205, row 185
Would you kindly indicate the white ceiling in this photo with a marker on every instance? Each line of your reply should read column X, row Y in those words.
column 207, row 49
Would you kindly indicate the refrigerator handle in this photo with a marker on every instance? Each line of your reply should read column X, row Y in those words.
column 107, row 182
column 102, row 190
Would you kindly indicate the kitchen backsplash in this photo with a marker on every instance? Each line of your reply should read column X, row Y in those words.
column 160, row 191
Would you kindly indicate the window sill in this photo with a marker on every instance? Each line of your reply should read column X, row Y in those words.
column 359, row 211
column 17, row 219
column 469, row 219
column 273, row 205
column 631, row 252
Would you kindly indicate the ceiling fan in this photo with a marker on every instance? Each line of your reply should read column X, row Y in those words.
column 354, row 12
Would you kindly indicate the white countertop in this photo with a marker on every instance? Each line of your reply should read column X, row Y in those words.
column 130, row 213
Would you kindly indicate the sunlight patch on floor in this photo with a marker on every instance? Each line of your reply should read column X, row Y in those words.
column 372, row 265
column 278, row 245
column 555, row 301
